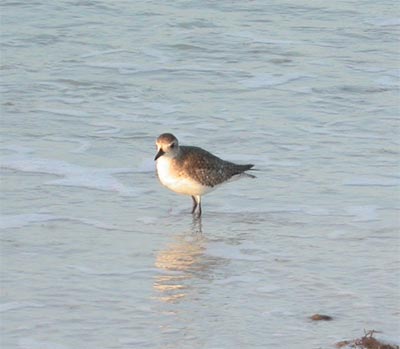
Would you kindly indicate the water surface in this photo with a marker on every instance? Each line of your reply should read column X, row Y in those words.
column 96, row 254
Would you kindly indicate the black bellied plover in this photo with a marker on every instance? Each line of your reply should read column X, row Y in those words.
column 191, row 170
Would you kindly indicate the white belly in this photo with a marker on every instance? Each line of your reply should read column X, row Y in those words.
column 178, row 183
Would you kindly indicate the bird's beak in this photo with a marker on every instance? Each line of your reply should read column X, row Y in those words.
column 160, row 153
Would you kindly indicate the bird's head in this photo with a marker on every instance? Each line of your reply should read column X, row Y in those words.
column 167, row 145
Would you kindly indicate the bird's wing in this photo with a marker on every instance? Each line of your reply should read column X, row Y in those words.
column 207, row 168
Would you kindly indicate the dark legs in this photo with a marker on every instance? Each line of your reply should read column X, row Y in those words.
column 196, row 203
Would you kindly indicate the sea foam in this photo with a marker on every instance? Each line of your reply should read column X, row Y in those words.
column 72, row 175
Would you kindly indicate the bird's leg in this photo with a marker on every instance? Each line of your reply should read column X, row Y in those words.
column 194, row 204
column 199, row 203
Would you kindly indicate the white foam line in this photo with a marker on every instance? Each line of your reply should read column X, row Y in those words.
column 73, row 175
column 68, row 112
column 83, row 144
column 102, row 53
column 22, row 220
column 107, row 128
column 267, row 80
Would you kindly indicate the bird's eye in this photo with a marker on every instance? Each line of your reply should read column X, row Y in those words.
column 172, row 146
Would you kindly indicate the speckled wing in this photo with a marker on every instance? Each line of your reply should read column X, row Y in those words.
column 207, row 168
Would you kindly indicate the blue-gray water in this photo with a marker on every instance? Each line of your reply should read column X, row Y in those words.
column 96, row 254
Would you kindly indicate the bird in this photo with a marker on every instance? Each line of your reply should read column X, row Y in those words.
column 192, row 170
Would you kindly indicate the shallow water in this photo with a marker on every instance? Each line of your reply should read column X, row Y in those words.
column 96, row 254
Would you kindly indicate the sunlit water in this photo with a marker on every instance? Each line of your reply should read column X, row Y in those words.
column 96, row 254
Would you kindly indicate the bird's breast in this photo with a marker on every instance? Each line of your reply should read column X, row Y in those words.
column 172, row 176
column 164, row 171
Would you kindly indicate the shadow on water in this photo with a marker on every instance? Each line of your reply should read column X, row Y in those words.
column 181, row 263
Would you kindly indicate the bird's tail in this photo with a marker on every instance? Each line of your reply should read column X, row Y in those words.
column 244, row 174
column 246, row 168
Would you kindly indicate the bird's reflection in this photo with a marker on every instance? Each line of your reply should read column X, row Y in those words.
column 181, row 261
